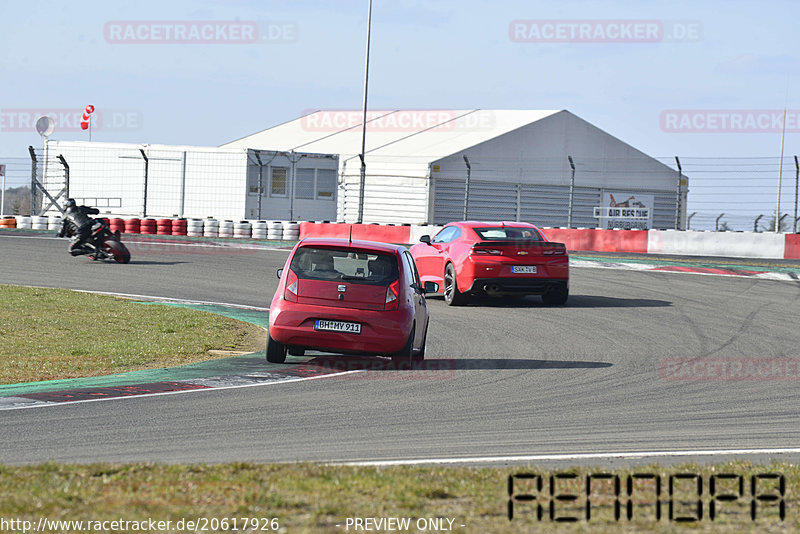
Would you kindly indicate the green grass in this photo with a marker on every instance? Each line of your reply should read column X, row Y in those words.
column 315, row 498
column 50, row 334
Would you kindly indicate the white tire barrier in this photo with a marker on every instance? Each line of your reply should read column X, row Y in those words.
column 210, row 228
column 259, row 229
column 194, row 228
column 54, row 223
column 226, row 228
column 241, row 230
column 39, row 222
column 291, row 231
column 274, row 230
column 23, row 221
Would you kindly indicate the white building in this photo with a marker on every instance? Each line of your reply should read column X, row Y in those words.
column 418, row 164
column 193, row 182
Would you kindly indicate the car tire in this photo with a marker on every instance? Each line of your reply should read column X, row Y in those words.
column 556, row 297
column 406, row 354
column 296, row 352
column 276, row 351
column 452, row 296
column 419, row 355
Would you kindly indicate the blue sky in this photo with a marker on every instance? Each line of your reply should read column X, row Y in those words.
column 451, row 54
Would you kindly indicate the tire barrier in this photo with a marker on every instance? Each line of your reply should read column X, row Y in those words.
column 194, row 228
column 148, row 226
column 164, row 227
column 116, row 224
column 210, row 228
column 275, row 230
column 241, row 230
column 54, row 223
column 259, row 229
column 291, row 231
column 38, row 223
column 23, row 221
column 132, row 226
column 8, row 222
column 226, row 228
column 179, row 227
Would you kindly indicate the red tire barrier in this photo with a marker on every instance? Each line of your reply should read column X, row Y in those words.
column 164, row 227
column 8, row 222
column 148, row 226
column 116, row 224
column 179, row 227
column 132, row 226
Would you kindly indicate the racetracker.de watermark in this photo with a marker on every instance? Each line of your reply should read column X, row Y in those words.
column 199, row 32
column 604, row 31
column 729, row 120
column 730, row 369
column 399, row 120
column 69, row 120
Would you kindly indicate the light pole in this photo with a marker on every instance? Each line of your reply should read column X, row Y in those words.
column 364, row 122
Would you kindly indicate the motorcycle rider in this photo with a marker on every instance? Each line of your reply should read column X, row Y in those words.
column 77, row 223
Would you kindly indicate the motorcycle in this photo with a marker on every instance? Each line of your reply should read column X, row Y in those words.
column 103, row 244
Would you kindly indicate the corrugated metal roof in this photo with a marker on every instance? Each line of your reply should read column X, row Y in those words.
column 425, row 134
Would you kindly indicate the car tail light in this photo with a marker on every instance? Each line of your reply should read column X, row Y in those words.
column 488, row 251
column 554, row 252
column 291, row 287
column 392, row 296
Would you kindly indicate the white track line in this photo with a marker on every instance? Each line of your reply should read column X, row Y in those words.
column 568, row 457
column 154, row 298
column 50, row 404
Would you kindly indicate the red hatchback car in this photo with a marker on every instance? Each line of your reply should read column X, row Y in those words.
column 495, row 259
column 349, row 297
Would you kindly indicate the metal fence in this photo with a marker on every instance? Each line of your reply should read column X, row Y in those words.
column 740, row 193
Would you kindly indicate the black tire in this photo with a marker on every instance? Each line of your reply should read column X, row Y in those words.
column 276, row 351
column 452, row 296
column 406, row 354
column 419, row 355
column 296, row 352
column 118, row 251
column 556, row 297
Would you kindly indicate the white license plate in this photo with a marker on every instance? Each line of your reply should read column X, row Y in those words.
column 337, row 326
column 523, row 269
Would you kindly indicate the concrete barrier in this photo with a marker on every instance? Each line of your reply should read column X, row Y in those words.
column 591, row 239
column 368, row 232
column 733, row 244
column 792, row 247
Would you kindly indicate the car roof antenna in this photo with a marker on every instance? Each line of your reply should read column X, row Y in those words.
column 351, row 234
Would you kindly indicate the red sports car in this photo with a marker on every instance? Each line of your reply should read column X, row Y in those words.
column 350, row 297
column 493, row 258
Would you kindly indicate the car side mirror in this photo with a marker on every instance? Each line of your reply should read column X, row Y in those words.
column 430, row 287
column 425, row 239
column 280, row 273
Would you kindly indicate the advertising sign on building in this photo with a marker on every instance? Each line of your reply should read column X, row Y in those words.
column 630, row 211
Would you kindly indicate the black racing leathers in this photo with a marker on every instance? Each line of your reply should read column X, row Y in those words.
column 78, row 224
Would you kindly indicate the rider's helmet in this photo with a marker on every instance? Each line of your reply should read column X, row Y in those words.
column 70, row 203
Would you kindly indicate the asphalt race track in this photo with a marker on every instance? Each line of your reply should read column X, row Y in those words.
column 512, row 378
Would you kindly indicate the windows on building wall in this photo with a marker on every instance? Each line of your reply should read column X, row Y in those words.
column 278, row 181
column 326, row 184
column 305, row 184
column 310, row 183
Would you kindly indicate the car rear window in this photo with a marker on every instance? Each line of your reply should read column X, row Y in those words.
column 504, row 233
column 363, row 267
